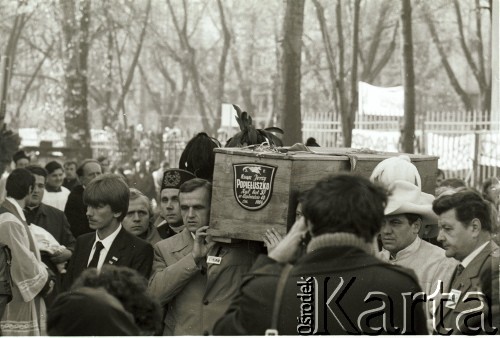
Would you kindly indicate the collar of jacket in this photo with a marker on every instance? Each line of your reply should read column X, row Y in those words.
column 339, row 239
column 40, row 209
column 52, row 189
column 184, row 240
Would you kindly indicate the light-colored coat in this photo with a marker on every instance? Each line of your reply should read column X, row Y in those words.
column 427, row 260
column 195, row 296
column 25, row 314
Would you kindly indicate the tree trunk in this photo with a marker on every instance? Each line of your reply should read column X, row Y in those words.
column 222, row 64
column 354, row 68
column 332, row 68
column 342, row 90
column 290, row 65
column 408, row 78
column 133, row 65
column 9, row 60
column 75, row 100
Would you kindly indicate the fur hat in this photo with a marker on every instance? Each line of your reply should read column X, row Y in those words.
column 396, row 168
column 407, row 198
column 198, row 157
column 173, row 178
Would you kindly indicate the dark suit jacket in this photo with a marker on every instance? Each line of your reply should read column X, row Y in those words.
column 76, row 211
column 126, row 250
column 346, row 272
column 476, row 277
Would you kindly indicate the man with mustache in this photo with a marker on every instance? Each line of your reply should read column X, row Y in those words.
column 107, row 200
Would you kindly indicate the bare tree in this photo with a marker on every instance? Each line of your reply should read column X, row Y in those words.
column 189, row 62
column 9, row 59
column 293, row 26
column 30, row 82
column 408, row 77
column 222, row 63
column 130, row 74
column 76, row 43
column 476, row 65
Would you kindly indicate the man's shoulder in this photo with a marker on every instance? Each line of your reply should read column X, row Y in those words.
column 136, row 241
column 76, row 191
column 432, row 252
column 51, row 211
column 172, row 243
column 90, row 236
column 7, row 216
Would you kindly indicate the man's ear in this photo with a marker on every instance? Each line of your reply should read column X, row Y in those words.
column 476, row 227
column 416, row 226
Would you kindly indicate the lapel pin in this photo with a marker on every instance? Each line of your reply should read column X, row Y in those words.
column 115, row 259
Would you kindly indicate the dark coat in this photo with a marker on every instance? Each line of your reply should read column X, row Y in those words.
column 481, row 274
column 70, row 183
column 54, row 221
column 316, row 277
column 76, row 212
column 127, row 250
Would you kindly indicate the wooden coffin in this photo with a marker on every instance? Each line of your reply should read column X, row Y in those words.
column 256, row 191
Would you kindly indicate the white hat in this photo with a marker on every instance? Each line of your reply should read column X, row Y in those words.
column 407, row 198
column 396, row 168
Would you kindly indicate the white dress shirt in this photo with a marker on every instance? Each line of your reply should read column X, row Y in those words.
column 107, row 242
column 473, row 255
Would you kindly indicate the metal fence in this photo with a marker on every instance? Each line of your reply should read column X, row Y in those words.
column 466, row 142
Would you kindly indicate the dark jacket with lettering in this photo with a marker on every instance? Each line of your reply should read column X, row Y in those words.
column 332, row 290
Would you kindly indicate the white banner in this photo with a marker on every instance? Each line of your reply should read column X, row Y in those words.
column 381, row 101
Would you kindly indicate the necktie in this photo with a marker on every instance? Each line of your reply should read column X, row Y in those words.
column 95, row 258
column 458, row 271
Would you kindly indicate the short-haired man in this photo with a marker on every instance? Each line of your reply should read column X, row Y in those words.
column 464, row 230
column 105, row 165
column 338, row 286
column 55, row 194
column 21, row 160
column 169, row 222
column 194, row 278
column 408, row 209
column 75, row 209
column 25, row 314
column 51, row 219
column 107, row 200
column 138, row 220
column 70, row 178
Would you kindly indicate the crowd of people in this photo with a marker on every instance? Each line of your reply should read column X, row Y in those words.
column 85, row 251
